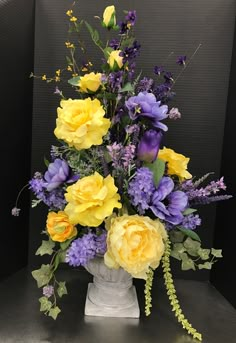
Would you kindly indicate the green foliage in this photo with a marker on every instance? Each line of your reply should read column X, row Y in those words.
column 42, row 275
column 46, row 248
column 190, row 233
column 216, row 252
column 45, row 304
column 74, row 81
column 54, row 312
column 65, row 245
column 206, row 265
column 128, row 87
column 61, row 290
column 157, row 168
column 46, row 162
column 189, row 211
column 94, row 35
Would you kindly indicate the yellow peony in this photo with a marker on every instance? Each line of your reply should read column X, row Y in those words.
column 59, row 227
column 81, row 123
column 176, row 163
column 115, row 57
column 91, row 199
column 135, row 243
column 90, row 82
column 109, row 17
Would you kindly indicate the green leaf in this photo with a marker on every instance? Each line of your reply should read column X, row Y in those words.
column 179, row 247
column 45, row 304
column 176, row 236
column 184, row 256
column 74, row 81
column 65, row 245
column 192, row 246
column 175, row 254
column 94, row 34
column 204, row 253
column 128, row 87
column 54, row 312
column 157, row 168
column 216, row 252
column 107, row 52
column 69, row 61
column 206, row 265
column 61, row 290
column 42, row 275
column 46, row 162
column 189, row 211
column 46, row 248
column 188, row 264
column 190, row 233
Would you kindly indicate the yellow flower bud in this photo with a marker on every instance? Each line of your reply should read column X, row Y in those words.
column 109, row 17
column 115, row 61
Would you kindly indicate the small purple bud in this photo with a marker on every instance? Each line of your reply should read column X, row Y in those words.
column 174, row 113
column 181, row 60
column 15, row 212
column 48, row 291
column 149, row 145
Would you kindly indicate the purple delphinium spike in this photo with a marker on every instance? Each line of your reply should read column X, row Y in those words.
column 114, row 43
column 145, row 85
column 158, row 70
column 131, row 17
column 130, row 53
column 181, row 60
column 191, row 221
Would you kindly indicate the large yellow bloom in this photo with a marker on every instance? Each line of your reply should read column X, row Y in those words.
column 109, row 18
column 135, row 243
column 90, row 82
column 59, row 227
column 91, row 199
column 115, row 57
column 176, row 163
column 81, row 123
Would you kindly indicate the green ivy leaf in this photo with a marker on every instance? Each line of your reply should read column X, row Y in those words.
column 74, row 81
column 45, row 304
column 189, row 211
column 204, row 253
column 54, row 312
column 206, row 265
column 188, row 264
column 179, row 247
column 46, row 248
column 42, row 275
column 192, row 246
column 157, row 168
column 176, row 236
column 175, row 254
column 190, row 233
column 216, row 252
column 61, row 290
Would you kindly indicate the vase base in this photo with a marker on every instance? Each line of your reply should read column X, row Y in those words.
column 92, row 309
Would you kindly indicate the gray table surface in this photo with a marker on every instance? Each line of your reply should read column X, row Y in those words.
column 21, row 321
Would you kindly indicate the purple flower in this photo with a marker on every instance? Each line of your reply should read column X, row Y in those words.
column 191, row 221
column 163, row 93
column 174, row 114
column 158, row 70
column 124, row 27
column 58, row 172
column 114, row 43
column 131, row 17
column 85, row 248
column 115, row 80
column 141, row 189
column 48, row 291
column 149, row 145
column 145, row 105
column 15, row 212
column 130, row 53
column 174, row 202
column 181, row 60
column 145, row 85
column 131, row 71
column 168, row 77
column 121, row 155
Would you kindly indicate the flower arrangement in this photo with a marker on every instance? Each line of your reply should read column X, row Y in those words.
column 110, row 188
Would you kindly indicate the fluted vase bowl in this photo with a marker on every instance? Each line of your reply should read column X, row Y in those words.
column 112, row 293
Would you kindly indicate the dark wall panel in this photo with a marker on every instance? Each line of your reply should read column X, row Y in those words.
column 162, row 27
column 223, row 276
column 16, row 63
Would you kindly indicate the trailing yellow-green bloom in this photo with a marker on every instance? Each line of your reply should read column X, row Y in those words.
column 90, row 82
column 91, row 200
column 135, row 243
column 109, row 17
column 176, row 163
column 81, row 123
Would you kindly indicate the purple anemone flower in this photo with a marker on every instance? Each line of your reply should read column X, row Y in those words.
column 174, row 202
column 149, row 145
column 145, row 105
column 57, row 173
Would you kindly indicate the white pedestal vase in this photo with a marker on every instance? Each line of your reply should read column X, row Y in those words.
column 112, row 293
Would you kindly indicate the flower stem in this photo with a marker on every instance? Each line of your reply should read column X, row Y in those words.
column 171, row 292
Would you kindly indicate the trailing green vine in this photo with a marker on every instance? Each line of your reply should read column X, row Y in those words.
column 171, row 292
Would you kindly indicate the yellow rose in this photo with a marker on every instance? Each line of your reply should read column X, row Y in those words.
column 81, row 123
column 176, row 163
column 91, row 199
column 90, row 82
column 109, row 17
column 59, row 227
column 115, row 57
column 135, row 243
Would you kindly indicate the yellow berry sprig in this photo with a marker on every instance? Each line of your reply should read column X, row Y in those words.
column 147, row 292
column 171, row 292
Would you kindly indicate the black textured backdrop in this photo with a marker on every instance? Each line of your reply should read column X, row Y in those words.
column 16, row 92
column 162, row 27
